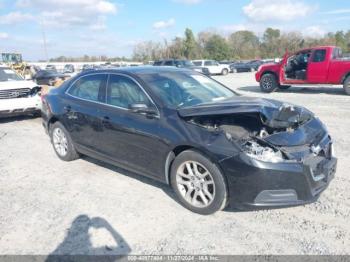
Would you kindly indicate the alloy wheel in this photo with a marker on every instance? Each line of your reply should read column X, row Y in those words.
column 60, row 142
column 267, row 83
column 195, row 184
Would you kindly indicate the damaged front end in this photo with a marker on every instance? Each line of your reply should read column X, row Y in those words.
column 273, row 141
column 263, row 134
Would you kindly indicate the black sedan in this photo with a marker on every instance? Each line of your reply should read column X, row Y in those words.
column 181, row 63
column 212, row 146
column 249, row 66
column 48, row 77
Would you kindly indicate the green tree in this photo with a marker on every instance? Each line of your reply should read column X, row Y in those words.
column 217, row 48
column 244, row 45
column 271, row 43
column 190, row 45
column 176, row 49
column 340, row 40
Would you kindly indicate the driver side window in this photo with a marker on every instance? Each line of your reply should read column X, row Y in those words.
column 123, row 92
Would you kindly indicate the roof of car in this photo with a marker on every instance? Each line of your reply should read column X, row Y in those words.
column 140, row 70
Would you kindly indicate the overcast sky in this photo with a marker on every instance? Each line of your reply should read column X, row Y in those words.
column 106, row 27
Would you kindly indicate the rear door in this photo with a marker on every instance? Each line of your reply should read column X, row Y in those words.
column 82, row 110
column 318, row 66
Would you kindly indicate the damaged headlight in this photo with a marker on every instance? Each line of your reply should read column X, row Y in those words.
column 263, row 153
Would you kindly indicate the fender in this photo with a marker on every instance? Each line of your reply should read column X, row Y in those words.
column 346, row 75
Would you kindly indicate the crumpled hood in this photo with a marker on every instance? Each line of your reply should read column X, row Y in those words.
column 274, row 114
column 6, row 85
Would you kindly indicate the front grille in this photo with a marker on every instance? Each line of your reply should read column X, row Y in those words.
column 14, row 93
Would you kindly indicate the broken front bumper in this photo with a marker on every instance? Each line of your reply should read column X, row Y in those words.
column 255, row 184
column 20, row 106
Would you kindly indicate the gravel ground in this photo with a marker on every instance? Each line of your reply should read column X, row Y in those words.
column 86, row 207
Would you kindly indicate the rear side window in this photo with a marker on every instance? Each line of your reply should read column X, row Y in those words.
column 197, row 63
column 123, row 92
column 89, row 87
column 208, row 63
column 319, row 55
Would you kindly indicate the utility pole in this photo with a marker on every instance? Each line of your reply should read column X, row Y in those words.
column 44, row 39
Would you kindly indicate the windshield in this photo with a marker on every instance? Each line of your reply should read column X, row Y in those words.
column 181, row 89
column 7, row 74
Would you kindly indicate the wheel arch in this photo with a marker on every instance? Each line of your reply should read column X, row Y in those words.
column 270, row 72
column 346, row 75
column 178, row 150
column 51, row 121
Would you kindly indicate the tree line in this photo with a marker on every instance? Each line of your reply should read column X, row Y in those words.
column 87, row 58
column 240, row 45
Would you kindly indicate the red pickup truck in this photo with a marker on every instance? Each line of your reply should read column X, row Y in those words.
column 319, row 65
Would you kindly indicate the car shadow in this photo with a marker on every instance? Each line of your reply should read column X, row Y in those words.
column 77, row 244
column 9, row 119
column 149, row 181
column 299, row 90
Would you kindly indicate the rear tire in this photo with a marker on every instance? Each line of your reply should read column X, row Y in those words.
column 198, row 183
column 224, row 72
column 252, row 69
column 62, row 143
column 234, row 71
column 268, row 83
column 347, row 85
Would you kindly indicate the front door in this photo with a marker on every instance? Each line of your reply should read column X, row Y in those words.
column 131, row 138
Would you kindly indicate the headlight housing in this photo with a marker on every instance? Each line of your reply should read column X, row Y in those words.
column 262, row 153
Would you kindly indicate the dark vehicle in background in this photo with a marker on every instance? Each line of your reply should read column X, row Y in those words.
column 86, row 67
column 250, row 66
column 180, row 63
column 46, row 77
column 68, row 68
column 227, row 62
column 51, row 68
column 212, row 146
column 311, row 66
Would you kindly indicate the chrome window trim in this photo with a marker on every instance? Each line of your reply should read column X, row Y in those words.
column 107, row 82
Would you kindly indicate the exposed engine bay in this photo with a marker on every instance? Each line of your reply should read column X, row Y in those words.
column 258, row 135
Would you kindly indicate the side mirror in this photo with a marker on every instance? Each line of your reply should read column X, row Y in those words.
column 143, row 109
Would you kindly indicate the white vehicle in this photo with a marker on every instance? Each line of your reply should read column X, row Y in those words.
column 17, row 96
column 214, row 67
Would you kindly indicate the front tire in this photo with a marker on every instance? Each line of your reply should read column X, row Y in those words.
column 198, row 183
column 347, row 85
column 224, row 72
column 268, row 83
column 62, row 143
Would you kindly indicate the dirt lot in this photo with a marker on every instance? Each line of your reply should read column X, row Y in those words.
column 87, row 207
